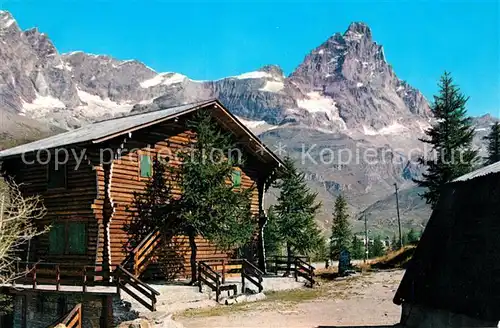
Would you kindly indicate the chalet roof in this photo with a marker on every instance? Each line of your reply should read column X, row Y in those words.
column 456, row 264
column 104, row 130
column 490, row 169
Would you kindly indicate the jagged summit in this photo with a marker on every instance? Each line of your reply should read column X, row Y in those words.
column 344, row 84
column 6, row 20
column 274, row 70
column 360, row 29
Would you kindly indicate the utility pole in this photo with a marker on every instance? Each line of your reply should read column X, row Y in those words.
column 399, row 219
column 366, row 240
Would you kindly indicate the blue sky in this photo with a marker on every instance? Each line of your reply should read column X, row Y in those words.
column 209, row 40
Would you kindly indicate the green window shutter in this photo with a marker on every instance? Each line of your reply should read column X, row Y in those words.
column 236, row 178
column 145, row 166
column 77, row 237
column 57, row 239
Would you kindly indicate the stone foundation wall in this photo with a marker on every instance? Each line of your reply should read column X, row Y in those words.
column 43, row 309
column 417, row 316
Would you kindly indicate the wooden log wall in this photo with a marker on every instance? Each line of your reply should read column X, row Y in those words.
column 164, row 140
column 74, row 202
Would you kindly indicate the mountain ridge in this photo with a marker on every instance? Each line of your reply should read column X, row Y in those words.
column 344, row 95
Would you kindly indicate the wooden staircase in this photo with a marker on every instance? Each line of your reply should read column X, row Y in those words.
column 209, row 277
column 304, row 270
column 137, row 289
column 73, row 319
column 299, row 265
column 214, row 274
column 141, row 256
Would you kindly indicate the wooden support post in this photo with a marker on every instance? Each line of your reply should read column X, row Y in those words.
column 243, row 267
column 34, row 276
column 223, row 271
column 199, row 277
column 58, row 277
column 295, row 272
column 84, row 279
column 107, row 312
column 276, row 265
column 217, row 290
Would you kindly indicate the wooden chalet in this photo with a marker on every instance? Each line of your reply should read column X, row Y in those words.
column 89, row 197
column 453, row 278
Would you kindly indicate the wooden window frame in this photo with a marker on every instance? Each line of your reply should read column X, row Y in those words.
column 141, row 153
column 240, row 176
column 66, row 251
column 48, row 168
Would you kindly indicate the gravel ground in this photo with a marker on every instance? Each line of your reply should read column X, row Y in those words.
column 358, row 301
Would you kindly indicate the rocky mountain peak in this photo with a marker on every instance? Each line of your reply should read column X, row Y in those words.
column 357, row 30
column 343, row 84
column 274, row 70
column 7, row 22
column 40, row 42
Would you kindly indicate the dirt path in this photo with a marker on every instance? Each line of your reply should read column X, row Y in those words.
column 363, row 300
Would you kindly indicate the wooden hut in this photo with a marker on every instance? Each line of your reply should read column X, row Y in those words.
column 88, row 197
column 453, row 279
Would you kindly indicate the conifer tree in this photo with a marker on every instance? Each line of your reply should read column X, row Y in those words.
column 295, row 213
column 273, row 241
column 412, row 237
column 451, row 141
column 341, row 233
column 357, row 248
column 377, row 247
column 209, row 205
column 394, row 243
column 493, row 144
column 149, row 208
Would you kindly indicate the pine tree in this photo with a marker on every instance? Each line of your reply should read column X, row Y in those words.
column 377, row 247
column 296, row 211
column 412, row 237
column 150, row 207
column 357, row 248
column 273, row 241
column 341, row 233
column 320, row 254
column 493, row 144
column 451, row 140
column 394, row 243
column 209, row 205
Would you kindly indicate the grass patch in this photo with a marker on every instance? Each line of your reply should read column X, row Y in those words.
column 294, row 295
column 275, row 300
column 215, row 311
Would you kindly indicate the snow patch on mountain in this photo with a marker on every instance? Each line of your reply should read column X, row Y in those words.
column 64, row 66
column 163, row 79
column 96, row 106
column 256, row 127
column 41, row 105
column 393, row 129
column 6, row 19
column 273, row 86
column 318, row 103
column 253, row 75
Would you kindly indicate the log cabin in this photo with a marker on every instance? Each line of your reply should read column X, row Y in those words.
column 87, row 178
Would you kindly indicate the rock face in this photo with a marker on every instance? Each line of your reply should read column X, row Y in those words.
column 343, row 84
column 344, row 95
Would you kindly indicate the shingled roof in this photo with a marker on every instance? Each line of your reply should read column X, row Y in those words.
column 104, row 130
